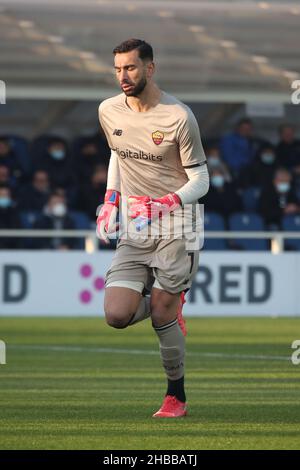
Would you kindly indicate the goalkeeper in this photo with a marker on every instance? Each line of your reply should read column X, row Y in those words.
column 157, row 166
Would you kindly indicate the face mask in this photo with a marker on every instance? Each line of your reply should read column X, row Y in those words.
column 57, row 154
column 5, row 202
column 267, row 158
column 59, row 210
column 283, row 187
column 214, row 161
column 217, row 181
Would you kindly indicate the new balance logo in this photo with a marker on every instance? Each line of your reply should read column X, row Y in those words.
column 117, row 132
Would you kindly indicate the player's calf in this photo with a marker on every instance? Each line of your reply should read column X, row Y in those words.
column 164, row 306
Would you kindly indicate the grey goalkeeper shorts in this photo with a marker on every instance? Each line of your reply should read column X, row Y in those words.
column 167, row 261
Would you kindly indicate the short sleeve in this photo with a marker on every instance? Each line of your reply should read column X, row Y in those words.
column 189, row 141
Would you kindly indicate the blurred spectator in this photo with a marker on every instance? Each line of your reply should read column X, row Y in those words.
column 288, row 148
column 261, row 172
column 222, row 197
column 279, row 199
column 60, row 192
column 239, row 148
column 89, row 157
column 9, row 218
column 92, row 192
column 9, row 159
column 55, row 217
column 56, row 163
column 33, row 197
column 80, row 182
column 5, row 178
column 214, row 161
column 296, row 176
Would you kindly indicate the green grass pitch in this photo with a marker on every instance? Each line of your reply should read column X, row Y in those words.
column 78, row 384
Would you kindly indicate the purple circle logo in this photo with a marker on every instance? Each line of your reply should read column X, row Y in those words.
column 85, row 296
column 98, row 283
column 86, row 270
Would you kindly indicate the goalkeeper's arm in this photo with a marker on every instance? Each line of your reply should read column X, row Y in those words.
column 106, row 221
column 113, row 175
column 197, row 186
column 144, row 209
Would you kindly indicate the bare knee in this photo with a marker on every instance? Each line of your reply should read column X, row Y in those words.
column 120, row 309
column 116, row 322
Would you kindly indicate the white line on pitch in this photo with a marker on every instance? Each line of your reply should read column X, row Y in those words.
column 145, row 352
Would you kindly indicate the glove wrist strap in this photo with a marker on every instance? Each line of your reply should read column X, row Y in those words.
column 112, row 197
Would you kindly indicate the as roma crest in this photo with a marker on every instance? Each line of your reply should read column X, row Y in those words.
column 157, row 137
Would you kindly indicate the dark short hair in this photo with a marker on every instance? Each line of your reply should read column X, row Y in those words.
column 4, row 139
column 244, row 121
column 266, row 146
column 5, row 186
column 144, row 49
column 284, row 126
column 56, row 140
column 282, row 169
column 52, row 194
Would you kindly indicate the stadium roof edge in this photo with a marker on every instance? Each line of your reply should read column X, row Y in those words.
column 86, row 94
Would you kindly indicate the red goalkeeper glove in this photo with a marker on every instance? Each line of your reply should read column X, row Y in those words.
column 107, row 218
column 144, row 209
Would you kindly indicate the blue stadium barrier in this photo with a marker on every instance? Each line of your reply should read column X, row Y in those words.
column 27, row 219
column 214, row 222
column 247, row 222
column 82, row 222
column 291, row 223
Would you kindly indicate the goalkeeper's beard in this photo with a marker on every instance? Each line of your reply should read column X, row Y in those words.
column 138, row 88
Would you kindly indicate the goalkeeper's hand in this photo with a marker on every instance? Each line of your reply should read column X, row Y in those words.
column 144, row 209
column 107, row 218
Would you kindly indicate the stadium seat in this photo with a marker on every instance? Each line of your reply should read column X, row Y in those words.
column 28, row 218
column 250, row 197
column 20, row 146
column 214, row 222
column 247, row 222
column 291, row 223
column 82, row 222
